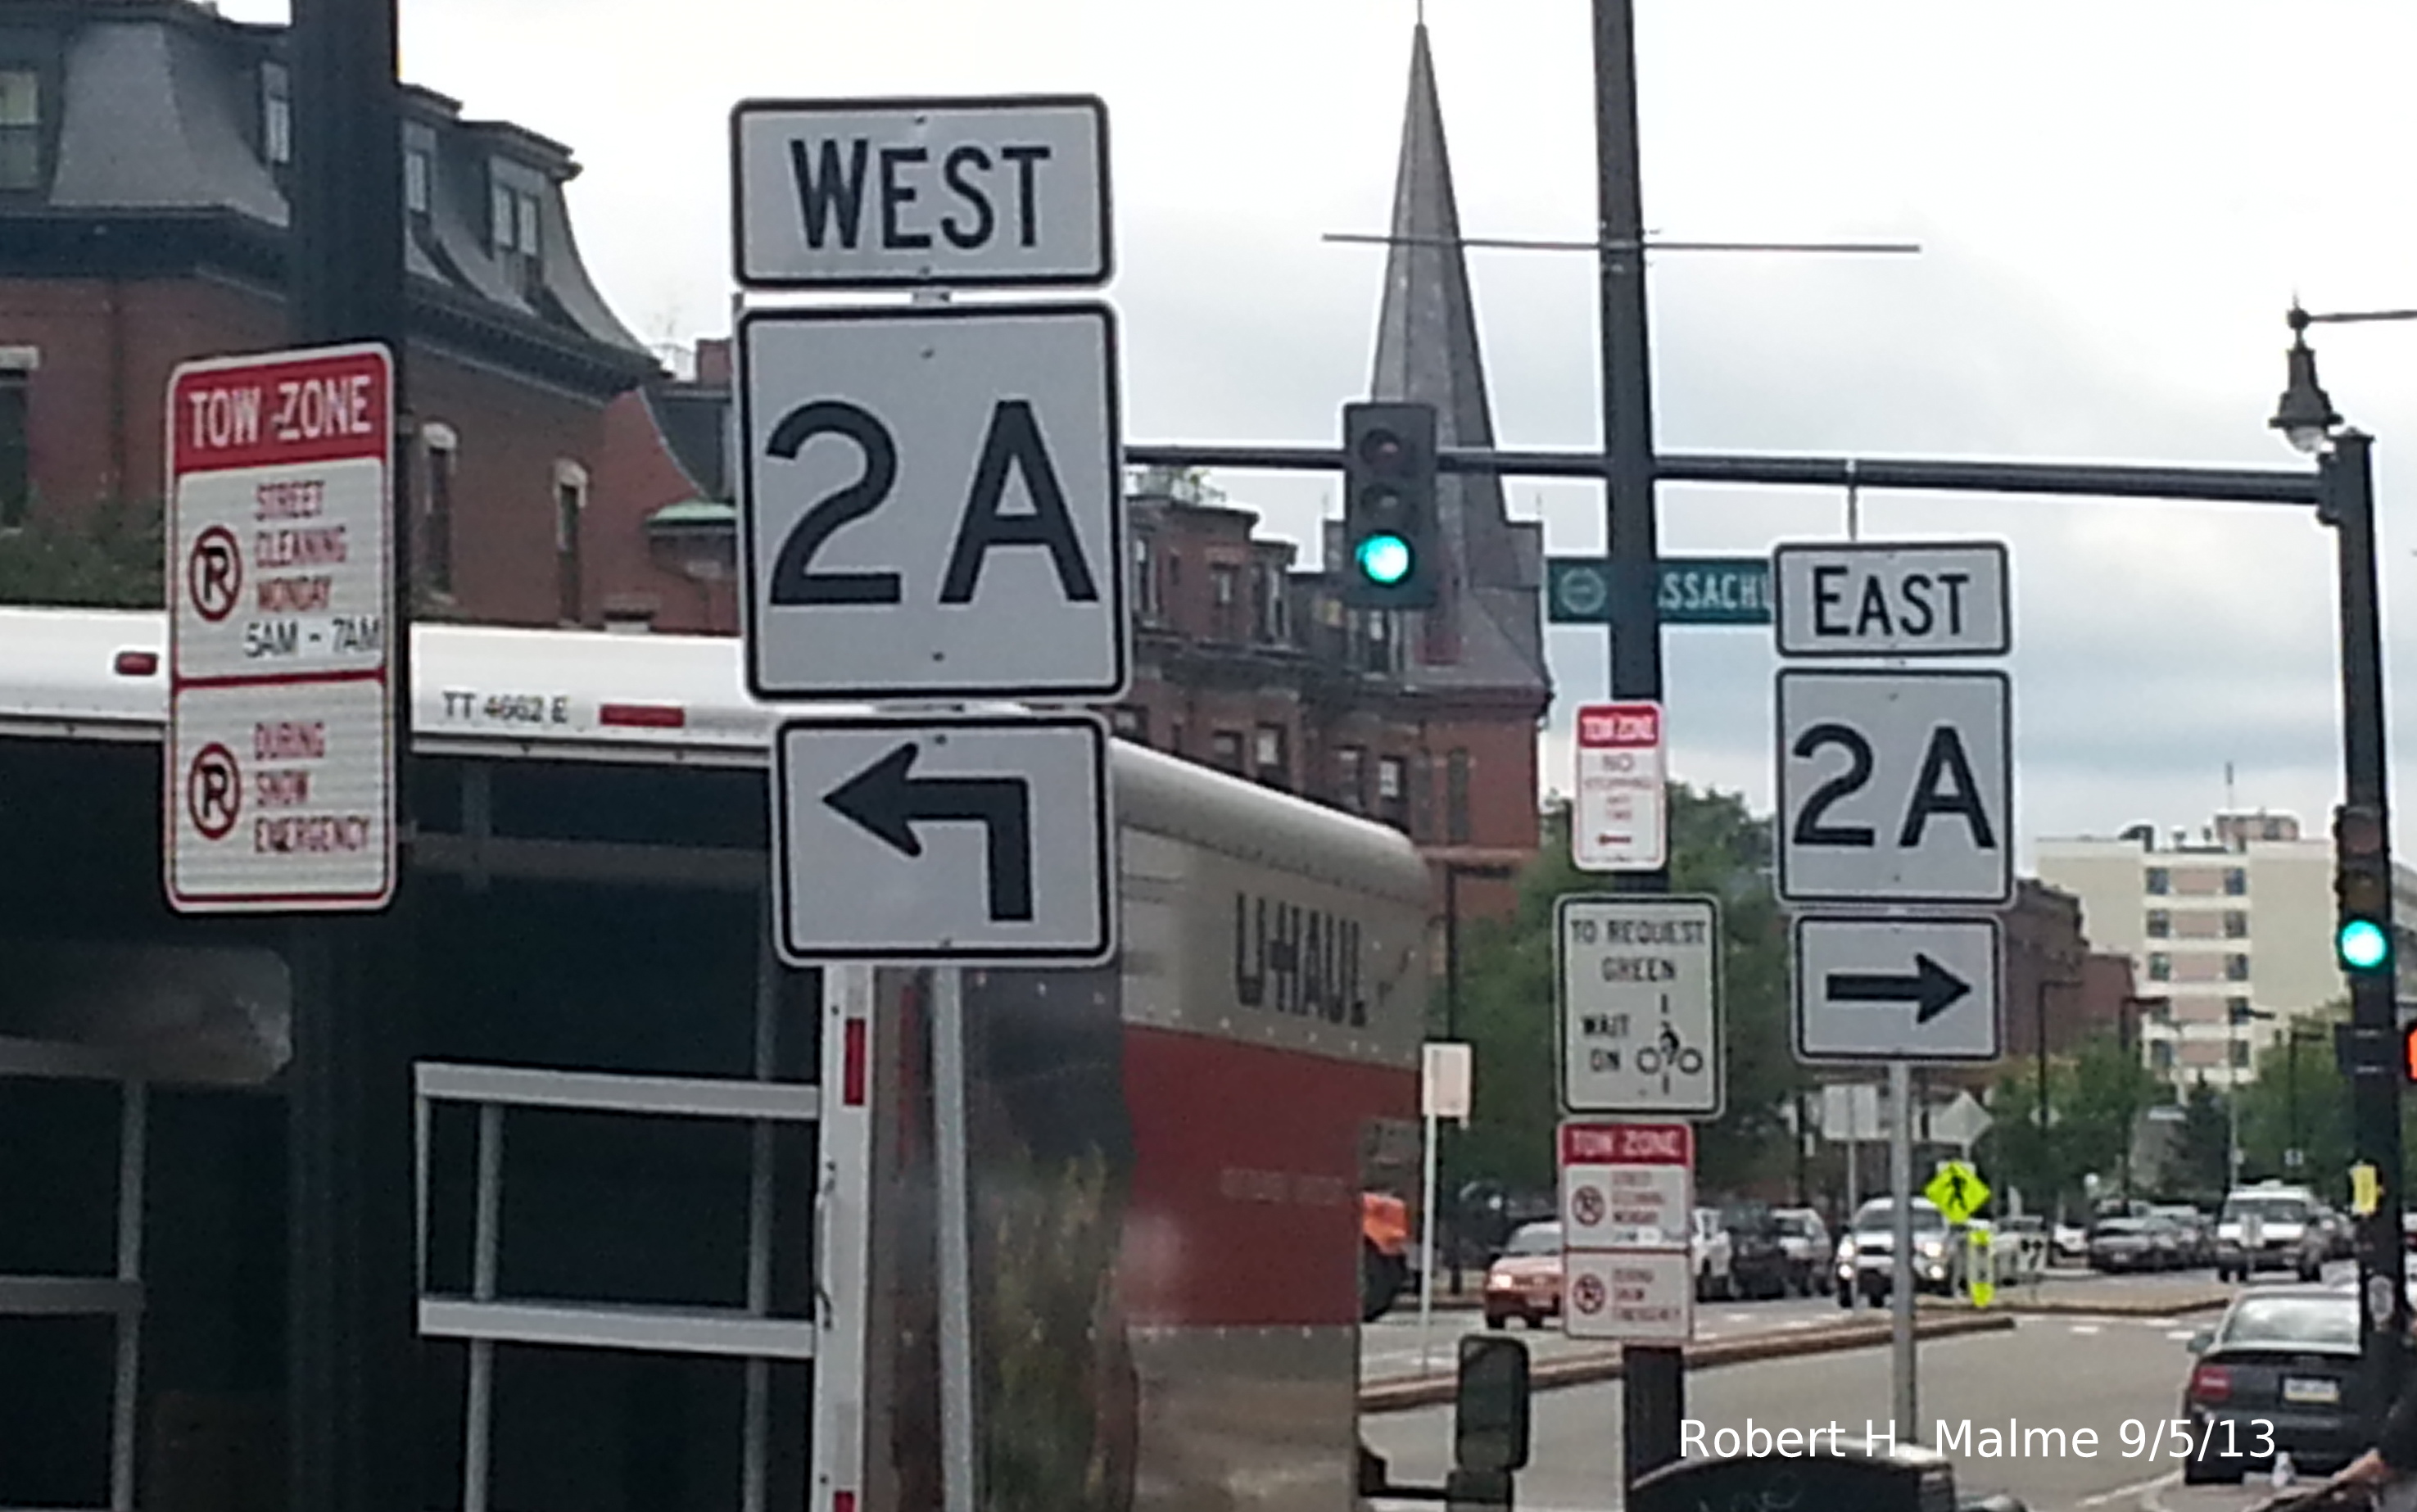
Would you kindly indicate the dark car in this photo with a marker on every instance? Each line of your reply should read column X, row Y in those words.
column 2129, row 1245
column 2277, row 1376
column 2197, row 1230
column 1758, row 1261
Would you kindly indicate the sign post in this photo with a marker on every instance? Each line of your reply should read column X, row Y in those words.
column 1446, row 1080
column 281, row 751
column 931, row 513
column 1895, row 799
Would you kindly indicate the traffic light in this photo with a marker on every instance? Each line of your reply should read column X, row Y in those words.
column 1391, row 557
column 2361, row 890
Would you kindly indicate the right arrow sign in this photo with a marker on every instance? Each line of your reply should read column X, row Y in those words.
column 1896, row 989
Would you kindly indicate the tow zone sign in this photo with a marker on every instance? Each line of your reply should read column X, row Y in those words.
column 280, row 777
column 1626, row 1218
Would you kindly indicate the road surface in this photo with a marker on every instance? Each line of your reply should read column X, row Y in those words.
column 2072, row 1373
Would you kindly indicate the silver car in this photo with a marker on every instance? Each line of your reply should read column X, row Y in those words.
column 2270, row 1228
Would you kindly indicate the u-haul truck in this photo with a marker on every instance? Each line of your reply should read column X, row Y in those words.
column 676, row 1200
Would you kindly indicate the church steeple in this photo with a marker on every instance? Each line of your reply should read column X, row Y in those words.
column 1427, row 351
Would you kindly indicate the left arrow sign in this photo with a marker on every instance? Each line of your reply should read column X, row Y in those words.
column 888, row 800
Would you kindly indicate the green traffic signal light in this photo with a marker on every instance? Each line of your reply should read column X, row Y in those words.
column 2361, row 944
column 1384, row 560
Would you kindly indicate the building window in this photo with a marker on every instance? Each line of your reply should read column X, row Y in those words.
column 1351, row 778
column 2239, row 1051
column 276, row 115
column 1145, row 582
column 2161, row 1055
column 2236, row 968
column 1421, row 796
column 435, row 566
column 2161, row 967
column 2160, row 882
column 1275, row 615
column 2236, row 882
column 1268, row 756
column 1131, row 721
column 1224, row 594
column 2236, row 1010
column 16, row 444
column 21, row 129
column 1225, row 750
column 2236, row 924
column 1392, row 795
column 569, row 502
column 1174, row 742
column 512, row 219
column 419, row 178
column 2161, row 923
column 1455, row 798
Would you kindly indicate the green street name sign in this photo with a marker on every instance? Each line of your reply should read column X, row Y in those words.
column 1695, row 591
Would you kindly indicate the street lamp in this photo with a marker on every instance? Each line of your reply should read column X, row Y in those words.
column 1453, row 871
column 2126, row 1033
column 2345, row 501
column 2233, row 1057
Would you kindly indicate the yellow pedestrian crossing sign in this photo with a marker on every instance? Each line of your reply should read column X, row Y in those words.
column 1957, row 1191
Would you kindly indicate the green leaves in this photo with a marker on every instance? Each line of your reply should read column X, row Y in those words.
column 111, row 561
column 1717, row 849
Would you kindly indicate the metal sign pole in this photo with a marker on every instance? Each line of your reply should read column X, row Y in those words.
column 955, row 1187
column 1426, row 1241
column 1901, row 1218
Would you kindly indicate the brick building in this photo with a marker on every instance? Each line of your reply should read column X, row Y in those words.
column 145, row 150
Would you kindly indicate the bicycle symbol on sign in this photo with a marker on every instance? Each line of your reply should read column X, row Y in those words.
column 1669, row 1053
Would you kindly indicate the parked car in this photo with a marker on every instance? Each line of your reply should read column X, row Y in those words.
column 2070, row 1243
column 2278, row 1374
column 1712, row 1253
column 1866, row 1252
column 2197, row 1235
column 2129, row 1245
column 2270, row 1228
column 1526, row 1279
column 1806, row 1240
column 1759, row 1264
column 2341, row 1234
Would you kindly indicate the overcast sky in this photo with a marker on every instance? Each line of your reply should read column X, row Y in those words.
column 2115, row 204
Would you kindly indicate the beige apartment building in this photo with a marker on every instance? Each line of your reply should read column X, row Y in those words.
column 2234, row 921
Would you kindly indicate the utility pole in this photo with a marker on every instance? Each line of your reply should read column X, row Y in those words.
column 352, row 1316
column 1654, row 1397
column 2346, row 502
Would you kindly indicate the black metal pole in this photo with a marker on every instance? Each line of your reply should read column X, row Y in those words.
column 1653, row 1394
column 2291, row 1096
column 2349, row 483
column 2039, row 1033
column 353, row 1284
column 1445, row 1144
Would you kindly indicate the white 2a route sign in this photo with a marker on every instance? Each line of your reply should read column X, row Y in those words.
column 1895, row 786
column 931, row 505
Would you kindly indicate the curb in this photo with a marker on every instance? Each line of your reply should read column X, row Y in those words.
column 1586, row 1370
column 2076, row 1306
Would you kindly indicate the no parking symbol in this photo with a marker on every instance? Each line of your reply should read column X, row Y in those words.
column 1587, row 1296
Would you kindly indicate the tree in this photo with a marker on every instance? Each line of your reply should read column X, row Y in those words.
column 1507, row 1006
column 113, row 562
column 2300, row 1100
column 2197, row 1174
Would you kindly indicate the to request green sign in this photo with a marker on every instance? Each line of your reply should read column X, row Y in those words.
column 1695, row 591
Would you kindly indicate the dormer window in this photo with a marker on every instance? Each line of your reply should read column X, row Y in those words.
column 512, row 221
column 21, row 129
column 418, row 176
column 276, row 114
